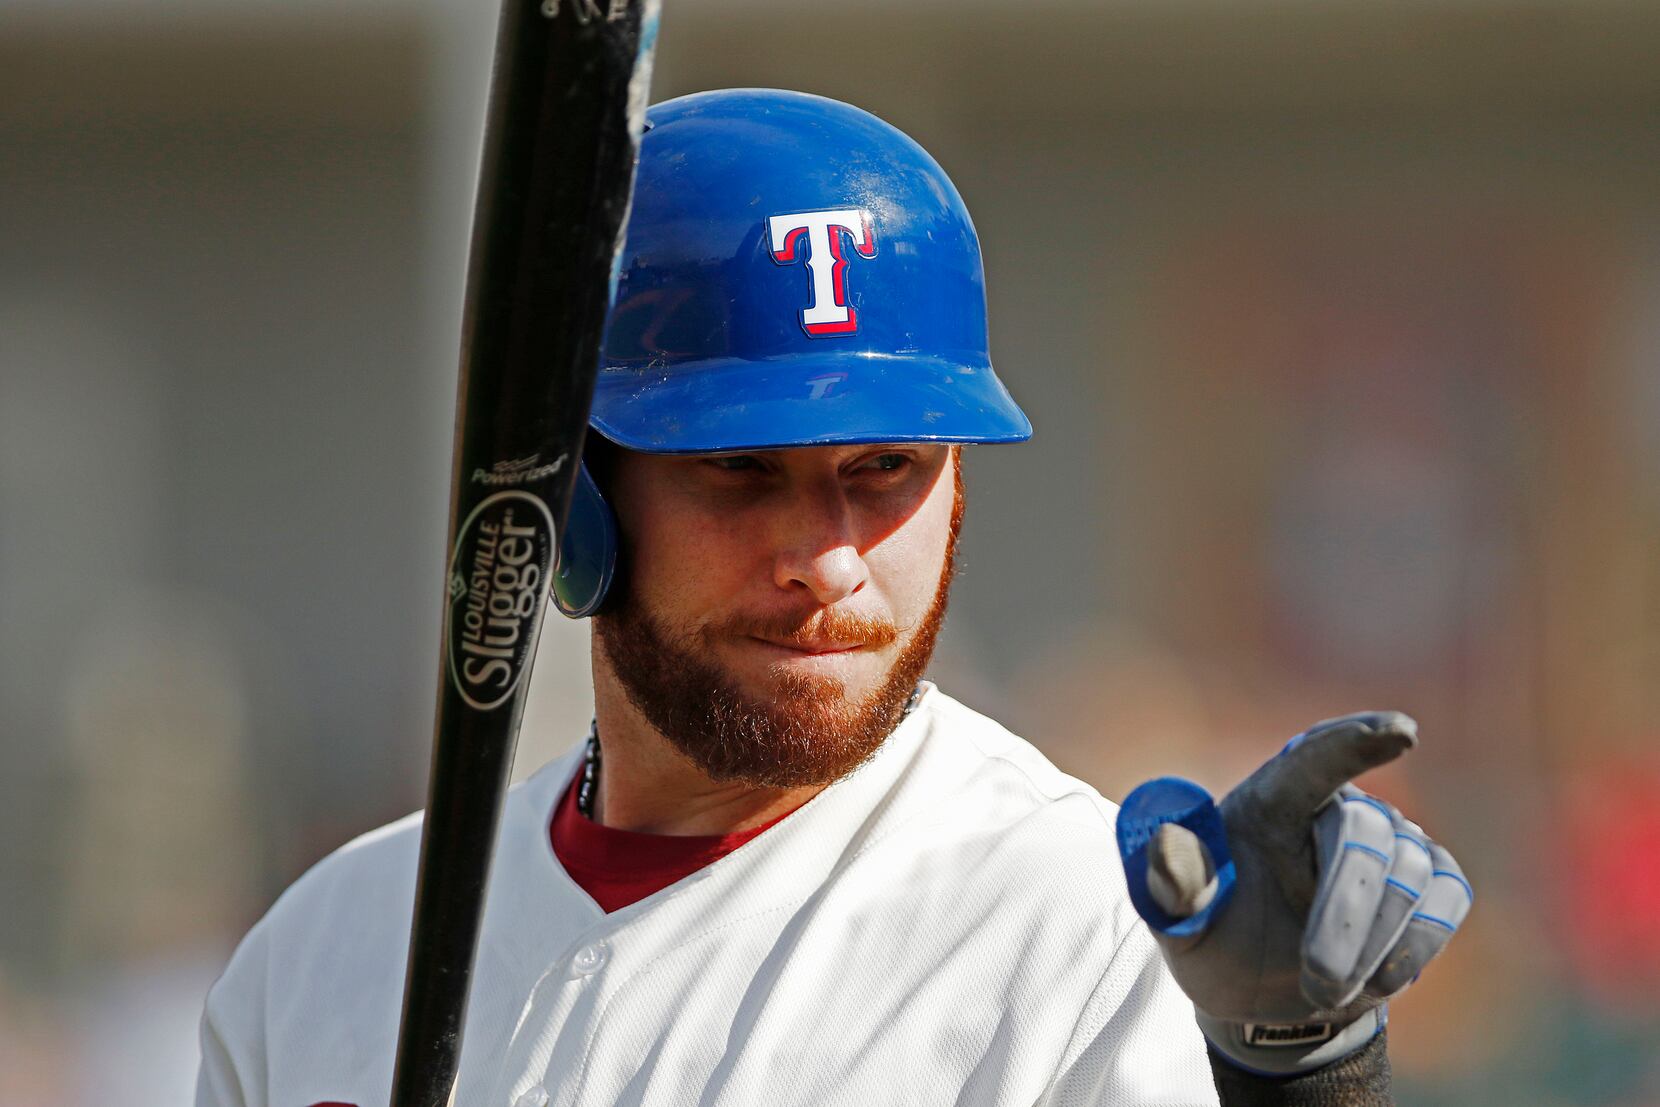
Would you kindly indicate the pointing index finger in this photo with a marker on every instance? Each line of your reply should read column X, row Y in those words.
column 1329, row 754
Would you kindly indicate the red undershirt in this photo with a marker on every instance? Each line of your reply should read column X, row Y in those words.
column 620, row 867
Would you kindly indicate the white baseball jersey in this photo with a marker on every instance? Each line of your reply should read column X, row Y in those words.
column 947, row 925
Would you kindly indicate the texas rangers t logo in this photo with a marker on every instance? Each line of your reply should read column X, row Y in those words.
column 829, row 312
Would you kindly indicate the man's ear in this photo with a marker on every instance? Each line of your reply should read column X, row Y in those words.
column 587, row 566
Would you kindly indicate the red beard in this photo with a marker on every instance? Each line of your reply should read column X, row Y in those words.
column 806, row 733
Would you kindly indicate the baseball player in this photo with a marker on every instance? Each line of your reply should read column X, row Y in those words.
column 782, row 868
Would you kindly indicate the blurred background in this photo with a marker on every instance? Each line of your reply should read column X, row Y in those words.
column 1339, row 322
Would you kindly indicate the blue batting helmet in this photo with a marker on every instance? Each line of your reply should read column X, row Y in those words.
column 796, row 273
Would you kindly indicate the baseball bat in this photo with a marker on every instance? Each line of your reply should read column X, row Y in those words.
column 567, row 104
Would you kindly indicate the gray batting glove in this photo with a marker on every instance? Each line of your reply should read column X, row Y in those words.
column 1292, row 913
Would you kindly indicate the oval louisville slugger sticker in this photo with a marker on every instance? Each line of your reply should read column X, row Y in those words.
column 498, row 574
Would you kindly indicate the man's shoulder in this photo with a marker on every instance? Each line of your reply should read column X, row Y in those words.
column 330, row 951
column 981, row 837
column 322, row 973
column 345, row 920
column 374, row 870
column 980, row 787
column 980, row 755
column 360, row 898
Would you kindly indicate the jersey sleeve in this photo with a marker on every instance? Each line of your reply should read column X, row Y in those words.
column 1136, row 1044
column 232, row 1033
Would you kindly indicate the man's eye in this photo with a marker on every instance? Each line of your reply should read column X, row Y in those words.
column 735, row 463
column 889, row 463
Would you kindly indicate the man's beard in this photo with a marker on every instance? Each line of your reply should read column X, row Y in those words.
column 805, row 732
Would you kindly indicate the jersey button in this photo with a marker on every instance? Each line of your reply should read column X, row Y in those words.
column 589, row 960
column 533, row 1096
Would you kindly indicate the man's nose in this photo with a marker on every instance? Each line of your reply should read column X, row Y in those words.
column 819, row 551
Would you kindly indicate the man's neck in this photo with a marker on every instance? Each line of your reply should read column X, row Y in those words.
column 647, row 786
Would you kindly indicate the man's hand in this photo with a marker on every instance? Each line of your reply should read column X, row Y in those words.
column 1294, row 912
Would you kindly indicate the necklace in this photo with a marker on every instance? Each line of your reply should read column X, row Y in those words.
column 589, row 786
column 590, row 773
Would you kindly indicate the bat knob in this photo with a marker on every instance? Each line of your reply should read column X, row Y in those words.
column 1176, row 857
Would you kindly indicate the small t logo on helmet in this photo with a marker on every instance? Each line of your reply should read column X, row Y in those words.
column 828, row 313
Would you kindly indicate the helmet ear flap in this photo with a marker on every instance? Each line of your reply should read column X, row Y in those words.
column 587, row 551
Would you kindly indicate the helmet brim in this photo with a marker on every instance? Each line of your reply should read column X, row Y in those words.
column 835, row 399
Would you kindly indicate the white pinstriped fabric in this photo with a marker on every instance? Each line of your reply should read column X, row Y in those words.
column 948, row 925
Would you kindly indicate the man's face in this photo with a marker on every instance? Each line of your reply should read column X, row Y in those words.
column 780, row 606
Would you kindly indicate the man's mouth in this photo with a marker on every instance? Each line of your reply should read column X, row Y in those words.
column 812, row 647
